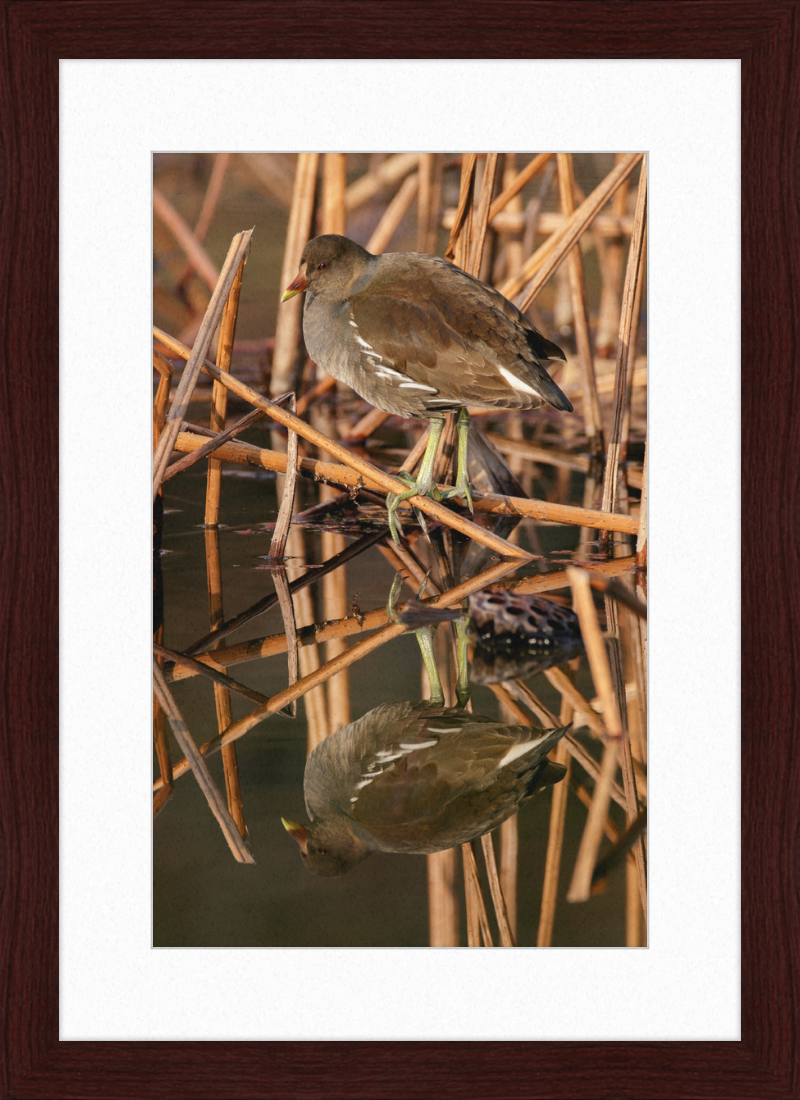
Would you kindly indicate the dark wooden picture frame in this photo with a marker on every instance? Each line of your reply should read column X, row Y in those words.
column 765, row 36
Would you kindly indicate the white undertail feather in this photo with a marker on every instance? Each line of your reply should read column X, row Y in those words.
column 517, row 383
column 520, row 750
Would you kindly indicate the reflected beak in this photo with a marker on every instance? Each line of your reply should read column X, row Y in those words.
column 297, row 287
column 298, row 832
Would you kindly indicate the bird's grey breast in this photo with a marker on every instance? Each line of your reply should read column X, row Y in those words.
column 338, row 343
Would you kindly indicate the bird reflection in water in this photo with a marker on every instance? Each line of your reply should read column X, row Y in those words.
column 416, row 778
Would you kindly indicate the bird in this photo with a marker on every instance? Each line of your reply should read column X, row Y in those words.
column 417, row 336
column 415, row 778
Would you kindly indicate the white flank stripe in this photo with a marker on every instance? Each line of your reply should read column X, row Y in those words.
column 387, row 756
column 517, row 383
column 438, row 729
column 364, row 782
column 421, row 745
column 368, row 348
column 416, row 386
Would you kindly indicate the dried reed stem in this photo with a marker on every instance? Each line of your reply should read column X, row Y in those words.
column 633, row 273
column 477, row 917
column 315, row 701
column 481, row 215
column 327, row 383
column 632, row 806
column 219, row 167
column 281, row 583
column 284, row 520
column 580, row 311
column 366, row 426
column 290, row 315
column 580, row 886
column 222, row 698
column 641, row 536
column 625, row 431
column 563, row 684
column 393, row 215
column 503, row 925
column 212, row 444
column 619, row 852
column 303, row 581
column 351, row 475
column 334, row 584
column 541, row 265
column 609, row 256
column 195, row 253
column 219, row 398
column 549, row 222
column 633, row 908
column 509, row 868
column 162, row 751
column 517, row 183
column 442, row 899
column 543, row 455
column 164, row 368
column 429, row 201
column 195, row 761
column 334, row 185
column 195, row 359
column 207, row 669
column 468, row 163
column 389, row 172
column 555, row 837
column 373, row 620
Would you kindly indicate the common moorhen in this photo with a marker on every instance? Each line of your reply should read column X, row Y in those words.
column 415, row 778
column 416, row 336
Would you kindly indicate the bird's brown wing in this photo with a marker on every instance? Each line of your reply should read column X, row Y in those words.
column 441, row 328
column 447, row 755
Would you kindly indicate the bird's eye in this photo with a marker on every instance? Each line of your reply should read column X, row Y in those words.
column 322, row 266
column 323, row 851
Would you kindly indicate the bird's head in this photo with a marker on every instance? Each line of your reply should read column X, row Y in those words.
column 325, row 851
column 328, row 267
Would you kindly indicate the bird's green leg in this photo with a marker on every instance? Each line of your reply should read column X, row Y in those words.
column 425, row 639
column 422, row 486
column 424, row 636
column 462, row 687
column 462, row 488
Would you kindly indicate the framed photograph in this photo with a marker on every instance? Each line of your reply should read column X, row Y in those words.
column 326, row 689
column 130, row 1017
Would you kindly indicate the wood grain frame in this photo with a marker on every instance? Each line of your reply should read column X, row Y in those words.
column 35, row 34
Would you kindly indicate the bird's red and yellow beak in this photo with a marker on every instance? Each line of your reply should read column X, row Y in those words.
column 296, row 287
column 299, row 833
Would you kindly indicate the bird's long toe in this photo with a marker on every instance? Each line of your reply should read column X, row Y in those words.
column 462, row 490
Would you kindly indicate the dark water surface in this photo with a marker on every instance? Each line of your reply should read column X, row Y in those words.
column 202, row 897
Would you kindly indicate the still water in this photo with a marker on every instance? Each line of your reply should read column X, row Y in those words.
column 202, row 897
